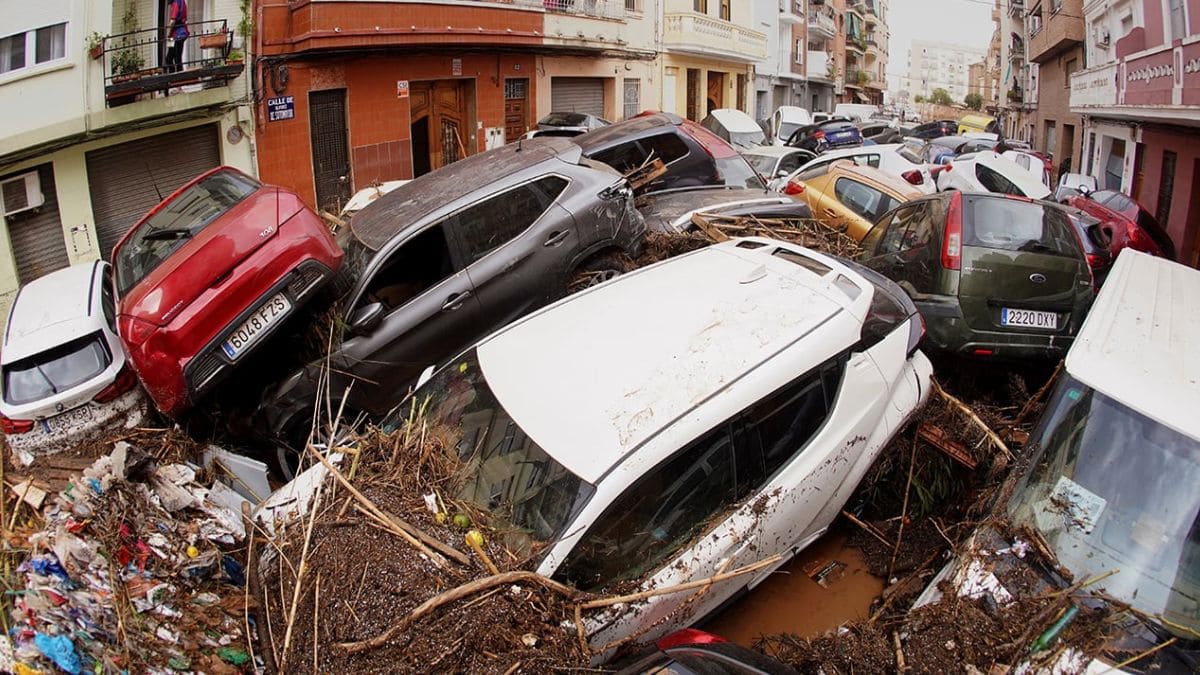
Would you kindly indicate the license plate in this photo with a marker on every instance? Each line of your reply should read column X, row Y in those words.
column 1028, row 318
column 272, row 311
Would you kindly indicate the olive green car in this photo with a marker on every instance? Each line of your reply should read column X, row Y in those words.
column 993, row 275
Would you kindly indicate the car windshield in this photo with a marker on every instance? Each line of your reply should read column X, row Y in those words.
column 169, row 228
column 564, row 119
column 1018, row 225
column 1112, row 490
column 501, row 469
column 55, row 370
column 764, row 164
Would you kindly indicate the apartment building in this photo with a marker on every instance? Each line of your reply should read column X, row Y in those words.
column 824, row 74
column 1055, row 30
column 709, row 48
column 98, row 128
column 1015, row 93
column 940, row 65
column 779, row 79
column 1139, row 100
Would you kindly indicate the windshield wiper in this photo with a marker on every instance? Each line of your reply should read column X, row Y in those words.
column 168, row 233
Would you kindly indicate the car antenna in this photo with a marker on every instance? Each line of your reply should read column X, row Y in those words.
column 152, row 181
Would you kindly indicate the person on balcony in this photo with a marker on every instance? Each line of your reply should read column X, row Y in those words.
column 177, row 35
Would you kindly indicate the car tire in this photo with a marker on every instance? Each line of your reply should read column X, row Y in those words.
column 597, row 270
column 291, row 442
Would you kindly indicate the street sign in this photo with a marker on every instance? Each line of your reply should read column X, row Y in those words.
column 281, row 108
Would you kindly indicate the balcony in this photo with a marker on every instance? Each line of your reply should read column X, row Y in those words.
column 856, row 44
column 1060, row 29
column 1016, row 8
column 821, row 24
column 600, row 9
column 819, row 65
column 791, row 11
column 857, row 79
column 702, row 35
column 135, row 63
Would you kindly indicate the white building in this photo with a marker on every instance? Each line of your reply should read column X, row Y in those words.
column 941, row 65
column 779, row 78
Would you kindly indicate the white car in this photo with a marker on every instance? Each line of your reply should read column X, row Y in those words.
column 65, row 375
column 1071, row 184
column 734, row 127
column 697, row 415
column 989, row 172
column 785, row 120
column 775, row 161
column 1031, row 163
column 897, row 159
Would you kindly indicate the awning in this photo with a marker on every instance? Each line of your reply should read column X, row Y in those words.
column 862, row 98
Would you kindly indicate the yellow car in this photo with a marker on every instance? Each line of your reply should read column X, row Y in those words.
column 977, row 123
column 847, row 196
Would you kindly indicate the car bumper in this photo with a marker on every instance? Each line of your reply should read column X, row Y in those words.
column 73, row 427
column 948, row 332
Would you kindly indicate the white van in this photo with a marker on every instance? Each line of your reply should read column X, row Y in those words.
column 787, row 119
column 1110, row 485
column 856, row 111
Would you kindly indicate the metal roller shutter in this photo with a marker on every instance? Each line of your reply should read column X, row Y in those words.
column 126, row 180
column 577, row 94
column 37, row 238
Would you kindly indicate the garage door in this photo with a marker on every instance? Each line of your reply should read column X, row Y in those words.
column 129, row 179
column 577, row 94
column 36, row 235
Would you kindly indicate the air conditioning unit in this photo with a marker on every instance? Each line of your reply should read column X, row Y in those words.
column 22, row 193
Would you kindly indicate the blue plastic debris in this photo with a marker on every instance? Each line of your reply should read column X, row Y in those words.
column 60, row 650
column 48, row 566
column 234, row 569
column 94, row 483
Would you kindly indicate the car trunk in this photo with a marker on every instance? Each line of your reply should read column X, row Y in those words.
column 206, row 259
column 1024, row 260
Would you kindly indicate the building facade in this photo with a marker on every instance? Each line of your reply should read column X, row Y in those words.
column 1015, row 98
column 1139, row 99
column 940, row 65
column 823, row 28
column 780, row 78
column 709, row 48
column 98, row 129
column 1055, row 29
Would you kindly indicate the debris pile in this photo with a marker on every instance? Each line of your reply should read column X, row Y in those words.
column 810, row 233
column 133, row 569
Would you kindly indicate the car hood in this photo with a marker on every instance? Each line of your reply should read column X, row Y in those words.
column 209, row 256
column 671, row 210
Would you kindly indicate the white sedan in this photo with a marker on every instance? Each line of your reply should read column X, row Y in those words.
column 989, row 172
column 65, row 373
column 698, row 415
column 897, row 159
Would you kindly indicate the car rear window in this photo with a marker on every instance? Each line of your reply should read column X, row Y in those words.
column 908, row 154
column 564, row 119
column 160, row 235
column 1018, row 225
column 55, row 370
column 993, row 181
column 863, row 199
column 736, row 172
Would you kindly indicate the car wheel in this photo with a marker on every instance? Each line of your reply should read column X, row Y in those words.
column 290, row 445
column 597, row 270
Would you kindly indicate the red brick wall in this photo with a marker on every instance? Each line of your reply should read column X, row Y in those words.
column 378, row 121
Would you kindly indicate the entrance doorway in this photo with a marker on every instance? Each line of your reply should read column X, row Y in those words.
column 516, row 93
column 716, row 91
column 693, row 94
column 330, row 155
column 440, row 123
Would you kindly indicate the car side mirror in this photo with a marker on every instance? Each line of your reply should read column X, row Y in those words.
column 366, row 318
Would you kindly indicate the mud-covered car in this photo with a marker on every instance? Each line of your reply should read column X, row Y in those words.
column 449, row 257
column 65, row 373
column 208, row 274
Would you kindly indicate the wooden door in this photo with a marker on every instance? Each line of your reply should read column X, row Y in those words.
column 439, row 114
column 516, row 95
column 716, row 91
column 330, row 150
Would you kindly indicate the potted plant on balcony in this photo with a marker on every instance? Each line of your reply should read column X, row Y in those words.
column 235, row 57
column 863, row 78
column 95, row 44
column 126, row 64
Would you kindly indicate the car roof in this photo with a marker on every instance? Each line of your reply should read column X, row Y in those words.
column 770, row 150
column 1137, row 344
column 626, row 130
column 409, row 203
column 1022, row 177
column 735, row 120
column 590, row 390
column 857, row 150
column 52, row 310
column 790, row 113
column 895, row 185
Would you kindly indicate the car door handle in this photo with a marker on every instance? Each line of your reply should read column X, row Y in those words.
column 556, row 238
column 455, row 301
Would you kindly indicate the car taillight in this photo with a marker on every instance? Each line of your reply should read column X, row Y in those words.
column 12, row 427
column 1093, row 260
column 125, row 380
column 935, row 170
column 916, row 331
column 688, row 636
column 135, row 332
column 794, row 187
column 818, row 135
column 952, row 241
column 913, row 177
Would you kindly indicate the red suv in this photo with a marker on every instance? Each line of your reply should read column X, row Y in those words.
column 207, row 274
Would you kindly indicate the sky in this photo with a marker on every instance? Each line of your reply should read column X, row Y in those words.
column 964, row 22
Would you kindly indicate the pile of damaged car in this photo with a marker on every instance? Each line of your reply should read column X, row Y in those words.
column 584, row 401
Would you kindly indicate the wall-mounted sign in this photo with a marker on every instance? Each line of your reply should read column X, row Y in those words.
column 281, row 108
column 456, row 67
column 401, row 88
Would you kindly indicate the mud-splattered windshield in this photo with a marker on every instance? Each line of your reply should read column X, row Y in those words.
column 1111, row 489
column 503, row 470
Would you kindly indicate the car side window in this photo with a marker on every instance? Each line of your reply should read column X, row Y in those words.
column 667, row 147
column 886, row 237
column 775, row 430
column 419, row 264
column 1023, row 161
column 862, row 199
column 490, row 224
column 867, row 160
column 107, row 303
column 919, row 233
column 994, row 182
column 789, row 163
column 657, row 516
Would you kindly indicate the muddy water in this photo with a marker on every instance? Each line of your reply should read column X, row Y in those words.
column 791, row 601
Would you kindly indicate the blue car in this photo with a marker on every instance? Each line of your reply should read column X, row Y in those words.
column 837, row 132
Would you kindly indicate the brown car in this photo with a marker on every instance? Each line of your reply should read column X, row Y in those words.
column 846, row 196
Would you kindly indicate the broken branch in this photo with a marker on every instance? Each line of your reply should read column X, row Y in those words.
column 678, row 588
column 870, row 530
column 966, row 410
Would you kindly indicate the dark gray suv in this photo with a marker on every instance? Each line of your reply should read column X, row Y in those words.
column 440, row 262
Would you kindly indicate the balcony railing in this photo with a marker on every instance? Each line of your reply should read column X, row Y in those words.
column 602, row 9
column 136, row 63
column 701, row 34
column 791, row 11
column 820, row 20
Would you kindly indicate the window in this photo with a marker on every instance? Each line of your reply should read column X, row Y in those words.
column 887, row 237
column 725, row 9
column 789, row 163
column 700, row 6
column 993, row 181
column 420, row 264
column 862, row 199
column 657, row 516
column 633, row 97
column 55, row 370
column 1071, row 66
column 494, row 222
column 107, row 305
column 43, row 44
column 1114, row 165
column 1050, row 139
column 1178, row 20
column 668, row 147
column 867, row 160
column 632, row 6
